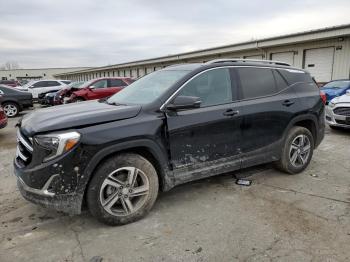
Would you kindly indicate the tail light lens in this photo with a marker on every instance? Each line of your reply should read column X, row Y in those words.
column 323, row 97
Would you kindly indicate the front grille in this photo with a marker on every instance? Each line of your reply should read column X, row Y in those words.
column 343, row 111
column 342, row 122
column 24, row 150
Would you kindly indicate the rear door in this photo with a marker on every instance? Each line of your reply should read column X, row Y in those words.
column 208, row 136
column 52, row 86
column 115, row 85
column 267, row 107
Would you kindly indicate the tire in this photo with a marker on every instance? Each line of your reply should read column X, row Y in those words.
column 78, row 99
column 295, row 157
column 109, row 194
column 11, row 109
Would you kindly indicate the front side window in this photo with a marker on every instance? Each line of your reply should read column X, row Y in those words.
column 100, row 84
column 213, row 87
column 256, row 82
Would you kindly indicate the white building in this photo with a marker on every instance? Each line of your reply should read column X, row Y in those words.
column 325, row 53
column 40, row 73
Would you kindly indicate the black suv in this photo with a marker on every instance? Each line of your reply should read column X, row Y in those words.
column 179, row 124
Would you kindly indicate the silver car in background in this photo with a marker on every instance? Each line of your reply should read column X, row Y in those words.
column 338, row 112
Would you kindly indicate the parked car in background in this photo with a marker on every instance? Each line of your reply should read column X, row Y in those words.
column 39, row 88
column 338, row 111
column 3, row 118
column 172, row 126
column 12, row 83
column 14, row 101
column 98, row 88
column 56, row 98
column 335, row 88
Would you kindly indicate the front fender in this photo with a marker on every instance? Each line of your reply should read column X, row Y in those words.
column 166, row 176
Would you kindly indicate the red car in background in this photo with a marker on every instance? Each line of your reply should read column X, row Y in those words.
column 98, row 88
column 3, row 118
column 12, row 83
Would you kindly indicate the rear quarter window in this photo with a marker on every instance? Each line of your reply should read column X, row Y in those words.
column 295, row 76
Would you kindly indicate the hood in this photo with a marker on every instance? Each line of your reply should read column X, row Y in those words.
column 342, row 99
column 75, row 115
column 332, row 91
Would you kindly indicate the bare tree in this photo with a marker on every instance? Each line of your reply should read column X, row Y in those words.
column 9, row 65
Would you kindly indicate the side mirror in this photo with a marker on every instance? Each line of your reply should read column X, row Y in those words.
column 185, row 102
column 91, row 87
column 348, row 92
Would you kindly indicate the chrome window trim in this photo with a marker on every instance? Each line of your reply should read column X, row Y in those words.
column 220, row 67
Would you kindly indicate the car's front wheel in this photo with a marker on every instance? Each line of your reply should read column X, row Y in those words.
column 297, row 150
column 123, row 189
column 10, row 109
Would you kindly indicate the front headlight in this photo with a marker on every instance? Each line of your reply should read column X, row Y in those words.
column 57, row 144
column 331, row 104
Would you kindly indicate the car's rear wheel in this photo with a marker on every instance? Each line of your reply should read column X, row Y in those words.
column 123, row 189
column 78, row 99
column 297, row 151
column 10, row 109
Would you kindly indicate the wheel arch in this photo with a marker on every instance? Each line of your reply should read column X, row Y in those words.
column 144, row 147
column 307, row 121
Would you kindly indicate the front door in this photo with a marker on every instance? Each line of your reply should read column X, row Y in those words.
column 99, row 89
column 206, row 138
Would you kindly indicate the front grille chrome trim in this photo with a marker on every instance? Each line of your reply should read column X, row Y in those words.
column 20, row 155
column 23, row 141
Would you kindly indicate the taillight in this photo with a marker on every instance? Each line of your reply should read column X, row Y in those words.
column 323, row 97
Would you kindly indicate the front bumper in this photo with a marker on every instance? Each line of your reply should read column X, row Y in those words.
column 67, row 203
column 333, row 119
column 57, row 184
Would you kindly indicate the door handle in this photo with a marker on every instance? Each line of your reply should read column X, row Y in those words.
column 230, row 112
column 287, row 103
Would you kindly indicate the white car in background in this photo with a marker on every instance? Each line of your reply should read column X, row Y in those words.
column 39, row 88
column 338, row 111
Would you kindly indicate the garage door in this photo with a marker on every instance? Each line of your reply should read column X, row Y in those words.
column 319, row 62
column 258, row 57
column 286, row 57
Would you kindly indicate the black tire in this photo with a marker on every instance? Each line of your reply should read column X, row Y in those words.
column 11, row 109
column 285, row 163
column 97, row 189
column 78, row 99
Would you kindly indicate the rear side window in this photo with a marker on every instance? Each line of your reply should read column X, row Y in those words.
column 53, row 83
column 116, row 82
column 256, row 82
column 295, row 76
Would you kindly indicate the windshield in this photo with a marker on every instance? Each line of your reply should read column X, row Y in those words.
column 76, row 84
column 148, row 88
column 337, row 84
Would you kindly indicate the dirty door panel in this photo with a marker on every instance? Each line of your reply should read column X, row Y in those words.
column 199, row 136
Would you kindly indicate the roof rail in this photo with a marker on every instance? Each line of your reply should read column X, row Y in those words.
column 234, row 60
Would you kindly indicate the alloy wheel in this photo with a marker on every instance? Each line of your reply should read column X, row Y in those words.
column 299, row 151
column 10, row 110
column 124, row 191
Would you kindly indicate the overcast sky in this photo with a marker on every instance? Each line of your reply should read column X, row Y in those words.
column 44, row 33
